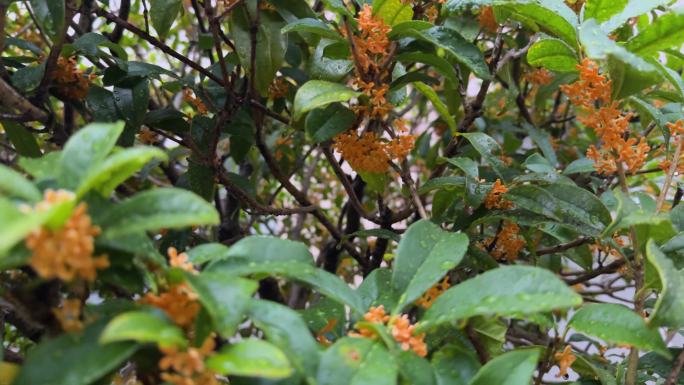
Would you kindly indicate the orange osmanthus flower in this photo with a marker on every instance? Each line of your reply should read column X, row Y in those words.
column 429, row 297
column 65, row 253
column 187, row 367
column 401, row 330
column 69, row 80
column 564, row 360
column 487, row 19
column 179, row 302
column 539, row 77
column 509, row 242
column 607, row 121
column 189, row 97
column 494, row 199
column 69, row 315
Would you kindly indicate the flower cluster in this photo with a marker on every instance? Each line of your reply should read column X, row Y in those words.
column 507, row 244
column 69, row 315
column 179, row 302
column 487, row 19
column 539, row 77
column 69, row 80
column 278, row 89
column 65, row 253
column 401, row 330
column 370, row 153
column 187, row 367
column 495, row 200
column 189, row 97
column 429, row 297
column 607, row 121
column 676, row 130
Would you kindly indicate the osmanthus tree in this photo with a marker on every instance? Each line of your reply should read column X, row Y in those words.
column 334, row 192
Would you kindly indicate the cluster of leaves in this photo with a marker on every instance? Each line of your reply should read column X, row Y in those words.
column 175, row 206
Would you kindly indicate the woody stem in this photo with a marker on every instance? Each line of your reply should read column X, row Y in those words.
column 669, row 176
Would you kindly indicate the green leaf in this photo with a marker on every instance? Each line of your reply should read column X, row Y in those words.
column 441, row 108
column 22, row 140
column 442, row 66
column 462, row 50
column 505, row 291
column 73, row 359
column 634, row 8
column 393, row 12
column 207, row 252
column 511, row 368
column 271, row 44
column 269, row 249
column 376, row 289
column 117, row 168
column 415, row 369
column 144, row 327
column 553, row 54
column 550, row 16
column 163, row 13
column 85, row 151
column 14, row 185
column 666, row 31
column 286, row 329
column 600, row 320
column 488, row 149
column 669, row 309
column 50, row 15
column 224, row 296
column 319, row 93
column 162, row 208
column 251, row 358
column 672, row 76
column 602, row 10
column 424, row 255
column 454, row 365
column 314, row 26
column 327, row 284
column 324, row 123
column 357, row 361
column 582, row 165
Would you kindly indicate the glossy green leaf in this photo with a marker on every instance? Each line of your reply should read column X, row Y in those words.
column 672, row 76
column 600, row 320
column 550, row 16
column 318, row 93
column 162, row 208
column 505, row 291
column 633, row 8
column 511, row 368
column 488, row 149
column 357, row 361
column 14, row 185
column 270, row 249
column 314, row 26
column 271, row 44
column 85, row 151
column 415, row 369
column 207, row 252
column 224, row 296
column 442, row 66
column 163, row 13
column 74, row 359
column 327, row 284
column 456, row 45
column 454, row 365
column 117, row 168
column 286, row 329
column 324, row 123
column 424, row 255
column 50, row 15
column 669, row 309
column 251, row 358
column 22, row 140
column 602, row 10
column 144, row 327
column 439, row 105
column 376, row 289
column 393, row 12
column 15, row 225
column 553, row 54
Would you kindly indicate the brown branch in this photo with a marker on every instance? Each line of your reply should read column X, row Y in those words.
column 676, row 369
column 564, row 246
column 611, row 268
column 12, row 99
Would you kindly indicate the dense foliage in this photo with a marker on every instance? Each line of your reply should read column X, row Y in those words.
column 334, row 192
